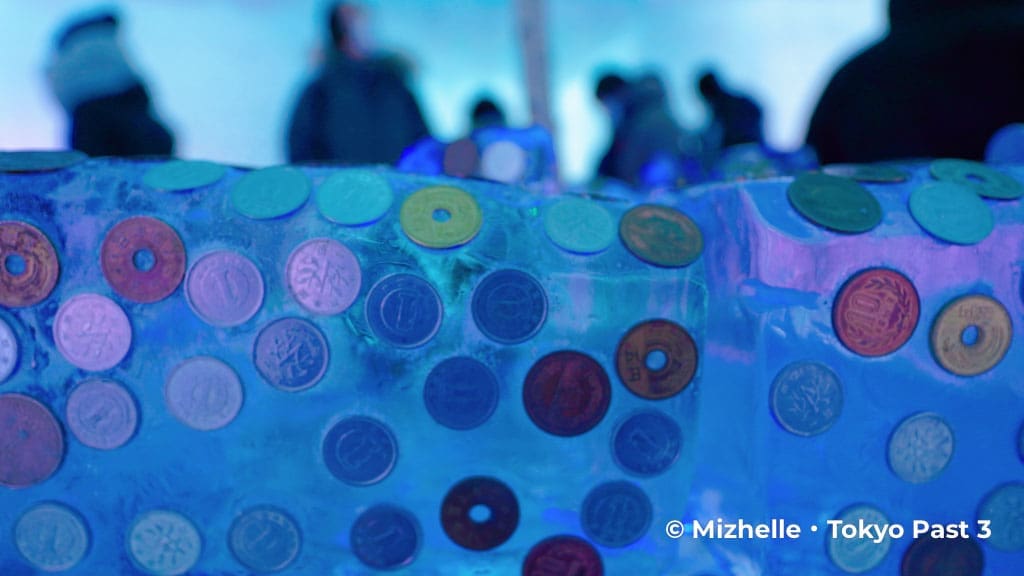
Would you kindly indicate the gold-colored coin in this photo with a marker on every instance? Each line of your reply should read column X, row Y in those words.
column 971, row 335
column 661, row 236
column 440, row 217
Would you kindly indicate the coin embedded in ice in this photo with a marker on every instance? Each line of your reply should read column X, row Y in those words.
column 856, row 555
column 992, row 331
column 177, row 175
column 461, row 158
column 102, row 414
column 270, row 192
column 203, row 393
column 509, row 306
column 806, row 398
column 580, row 226
column 920, row 448
column 52, row 537
column 878, row 173
column 838, row 204
column 31, row 440
column 28, row 265
column 661, row 236
column 951, row 212
column 39, row 160
column 291, row 354
column 323, row 276
column 927, row 556
column 224, row 288
column 125, row 254
column 616, row 514
column 8, row 350
column 483, row 493
column 385, row 537
column 354, row 197
column 164, row 543
column 563, row 555
column 875, row 312
column 404, row 310
column 92, row 332
column 646, row 443
column 441, row 217
column 566, row 393
column 360, row 450
column 656, row 359
column 1004, row 508
column 460, row 393
column 503, row 161
column 984, row 180
column 265, row 539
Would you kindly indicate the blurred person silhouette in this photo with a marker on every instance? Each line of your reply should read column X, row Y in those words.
column 945, row 78
column 108, row 106
column 734, row 118
column 487, row 114
column 358, row 109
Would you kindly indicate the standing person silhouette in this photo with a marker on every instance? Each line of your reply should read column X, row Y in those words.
column 735, row 118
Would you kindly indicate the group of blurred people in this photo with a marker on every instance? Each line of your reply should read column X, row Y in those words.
column 944, row 79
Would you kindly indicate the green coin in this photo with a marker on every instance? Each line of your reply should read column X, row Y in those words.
column 440, row 217
column 838, row 204
column 270, row 192
column 951, row 212
column 354, row 197
column 578, row 225
column 986, row 181
column 878, row 173
column 39, row 160
column 183, row 175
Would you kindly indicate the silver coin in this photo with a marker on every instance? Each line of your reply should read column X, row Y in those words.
column 1004, row 508
column 203, row 393
column 102, row 414
column 52, row 537
column 920, row 448
column 92, row 332
column 164, row 543
column 806, row 398
column 503, row 161
column 8, row 350
column 324, row 276
column 856, row 555
column 224, row 288
column 265, row 539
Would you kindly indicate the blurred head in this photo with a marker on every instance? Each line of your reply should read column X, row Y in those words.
column 904, row 12
column 349, row 28
column 99, row 23
column 709, row 86
column 609, row 86
column 487, row 114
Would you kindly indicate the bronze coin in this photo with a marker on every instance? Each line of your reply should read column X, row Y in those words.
column 876, row 312
column 661, row 236
column 559, row 555
column 971, row 335
column 483, row 493
column 143, row 259
column 31, row 441
column 28, row 265
column 461, row 158
column 566, row 393
column 656, row 359
column 928, row 556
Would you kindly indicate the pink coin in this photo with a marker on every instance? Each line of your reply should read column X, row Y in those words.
column 31, row 443
column 92, row 332
column 102, row 414
column 324, row 276
column 224, row 288
column 204, row 393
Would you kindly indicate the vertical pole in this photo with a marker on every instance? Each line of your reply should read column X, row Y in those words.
column 532, row 23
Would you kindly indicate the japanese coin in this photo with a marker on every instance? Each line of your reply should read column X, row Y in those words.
column 503, row 161
column 460, row 393
column 875, row 312
column 177, row 175
column 616, row 514
column 385, row 537
column 28, row 265
column 561, row 555
column 983, row 179
column 1004, row 508
column 509, row 306
column 927, row 556
column 102, row 414
column 656, row 359
column 838, row 204
column 291, row 354
column 354, row 197
column 8, row 350
column 39, row 160
column 52, row 537
column 878, row 173
column 404, row 310
column 164, row 543
column 951, row 212
column 265, row 539
column 270, row 192
column 324, row 276
column 31, row 443
column 125, row 256
column 994, row 332
column 661, row 236
column 360, row 450
column 440, row 217
column 806, row 398
column 646, row 443
column 92, row 332
column 461, row 158
column 856, row 555
column 224, row 288
column 580, row 226
column 566, row 393
column 920, row 448
column 203, row 393
column 480, row 492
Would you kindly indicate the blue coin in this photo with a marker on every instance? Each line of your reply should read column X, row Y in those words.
column 616, row 514
column 951, row 212
column 385, row 537
column 460, row 393
column 646, row 443
column 360, row 450
column 404, row 310
column 509, row 306
column 806, row 398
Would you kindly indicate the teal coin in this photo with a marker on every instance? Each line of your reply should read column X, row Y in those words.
column 179, row 175
column 951, row 212
column 270, row 192
column 876, row 173
column 39, row 160
column 984, row 180
column 578, row 225
column 835, row 203
column 354, row 197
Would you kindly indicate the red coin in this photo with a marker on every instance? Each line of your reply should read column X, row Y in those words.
column 28, row 265
column 461, row 158
column 929, row 556
column 876, row 312
column 31, row 443
column 487, row 494
column 566, row 393
column 637, row 349
column 560, row 555
column 143, row 259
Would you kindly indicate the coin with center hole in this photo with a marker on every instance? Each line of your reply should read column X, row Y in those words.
column 806, row 398
column 92, row 332
column 385, row 537
column 440, row 217
column 480, row 493
column 661, row 236
column 838, row 204
column 52, row 537
column 31, row 442
column 984, row 180
column 920, row 448
column 971, row 335
column 164, row 543
column 143, row 259
column 102, row 414
column 951, row 212
column 656, row 359
column 566, row 393
column 875, row 312
column 28, row 265
column 265, row 539
column 563, row 554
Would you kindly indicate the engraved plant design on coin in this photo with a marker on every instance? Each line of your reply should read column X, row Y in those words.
column 875, row 312
column 920, row 448
column 806, row 398
column 1004, row 507
column 291, row 354
column 324, row 276
column 52, row 537
column 203, row 393
column 224, row 288
column 265, row 539
column 92, row 332
column 164, row 543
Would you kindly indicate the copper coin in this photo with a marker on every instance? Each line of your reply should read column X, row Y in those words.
column 143, row 259
column 928, row 556
column 480, row 493
column 31, row 443
column 28, row 265
column 971, row 335
column 561, row 555
column 656, row 359
column 461, row 158
column 661, row 236
column 876, row 312
column 566, row 393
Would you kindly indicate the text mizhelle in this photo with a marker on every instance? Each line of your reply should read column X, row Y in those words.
column 779, row 529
